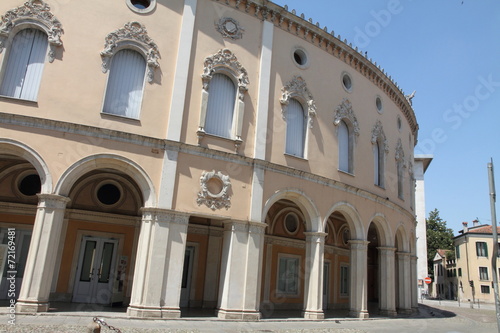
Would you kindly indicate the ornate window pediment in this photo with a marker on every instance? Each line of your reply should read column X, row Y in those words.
column 378, row 135
column 297, row 88
column 345, row 111
column 133, row 35
column 215, row 190
column 400, row 154
column 32, row 13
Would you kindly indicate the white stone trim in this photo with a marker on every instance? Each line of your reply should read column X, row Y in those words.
column 297, row 88
column 214, row 200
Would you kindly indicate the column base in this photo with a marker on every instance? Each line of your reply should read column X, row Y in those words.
column 153, row 312
column 314, row 315
column 359, row 314
column 388, row 313
column 238, row 315
column 31, row 307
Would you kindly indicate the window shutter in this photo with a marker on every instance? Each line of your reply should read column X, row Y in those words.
column 220, row 108
column 125, row 84
column 295, row 129
column 343, row 139
column 25, row 63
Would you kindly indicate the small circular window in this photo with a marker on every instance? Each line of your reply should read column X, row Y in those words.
column 300, row 58
column 30, row 185
column 346, row 82
column 291, row 223
column 378, row 104
column 108, row 194
column 141, row 6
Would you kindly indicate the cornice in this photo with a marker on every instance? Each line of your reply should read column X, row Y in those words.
column 140, row 140
column 314, row 34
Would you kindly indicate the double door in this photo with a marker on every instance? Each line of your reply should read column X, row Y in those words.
column 96, row 271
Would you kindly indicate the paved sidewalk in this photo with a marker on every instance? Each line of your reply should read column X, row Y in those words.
column 433, row 317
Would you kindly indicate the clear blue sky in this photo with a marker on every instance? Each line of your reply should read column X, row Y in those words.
column 449, row 52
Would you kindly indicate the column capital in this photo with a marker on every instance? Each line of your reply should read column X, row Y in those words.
column 164, row 215
column 315, row 236
column 386, row 249
column 358, row 244
column 52, row 201
column 404, row 254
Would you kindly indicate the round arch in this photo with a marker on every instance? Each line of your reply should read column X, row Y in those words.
column 19, row 149
column 385, row 230
column 306, row 205
column 401, row 239
column 352, row 217
column 108, row 161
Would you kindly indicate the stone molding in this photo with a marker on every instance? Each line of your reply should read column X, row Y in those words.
column 297, row 88
column 288, row 21
column 134, row 35
column 345, row 111
column 358, row 244
column 315, row 237
column 337, row 250
column 214, row 201
column 225, row 60
column 229, row 28
column 152, row 214
column 288, row 242
column 52, row 201
column 34, row 12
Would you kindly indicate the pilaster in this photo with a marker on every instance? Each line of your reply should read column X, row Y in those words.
column 414, row 286
column 157, row 277
column 315, row 250
column 387, row 281
column 241, row 267
column 404, row 291
column 359, row 285
column 212, row 271
column 41, row 261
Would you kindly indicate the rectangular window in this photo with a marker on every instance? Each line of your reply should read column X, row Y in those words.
column 344, row 280
column 288, row 276
column 485, row 289
column 457, row 251
column 483, row 273
column 481, row 249
column 459, row 272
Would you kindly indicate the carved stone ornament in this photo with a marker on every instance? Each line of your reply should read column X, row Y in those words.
column 225, row 60
column 229, row 28
column 34, row 12
column 215, row 190
column 297, row 87
column 379, row 135
column 344, row 111
column 400, row 154
column 132, row 33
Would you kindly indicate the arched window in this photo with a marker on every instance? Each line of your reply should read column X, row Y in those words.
column 295, row 129
column 380, row 148
column 125, row 84
column 345, row 147
column 25, row 62
column 220, row 108
column 400, row 166
column 377, row 167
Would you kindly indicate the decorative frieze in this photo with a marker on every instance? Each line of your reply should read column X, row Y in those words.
column 135, row 34
column 297, row 88
column 215, row 190
column 35, row 12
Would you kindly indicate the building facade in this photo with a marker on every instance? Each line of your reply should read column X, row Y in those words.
column 445, row 284
column 474, row 251
column 196, row 153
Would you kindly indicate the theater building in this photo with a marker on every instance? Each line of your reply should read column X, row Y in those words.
column 228, row 155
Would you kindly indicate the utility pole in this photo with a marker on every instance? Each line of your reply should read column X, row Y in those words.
column 494, row 256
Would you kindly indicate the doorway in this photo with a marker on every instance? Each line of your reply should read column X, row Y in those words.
column 96, row 270
column 326, row 284
column 22, row 239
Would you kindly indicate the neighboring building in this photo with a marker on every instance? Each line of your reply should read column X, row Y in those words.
column 473, row 251
column 422, row 162
column 444, row 285
column 228, row 155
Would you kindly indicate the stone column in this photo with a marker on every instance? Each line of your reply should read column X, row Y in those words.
column 41, row 261
column 241, row 268
column 157, row 281
column 404, row 272
column 359, row 284
column 315, row 257
column 387, row 281
column 413, row 281
column 213, row 268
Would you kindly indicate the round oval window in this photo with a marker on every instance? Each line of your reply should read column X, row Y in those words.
column 108, row 194
column 30, row 185
column 291, row 223
column 141, row 4
column 346, row 81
